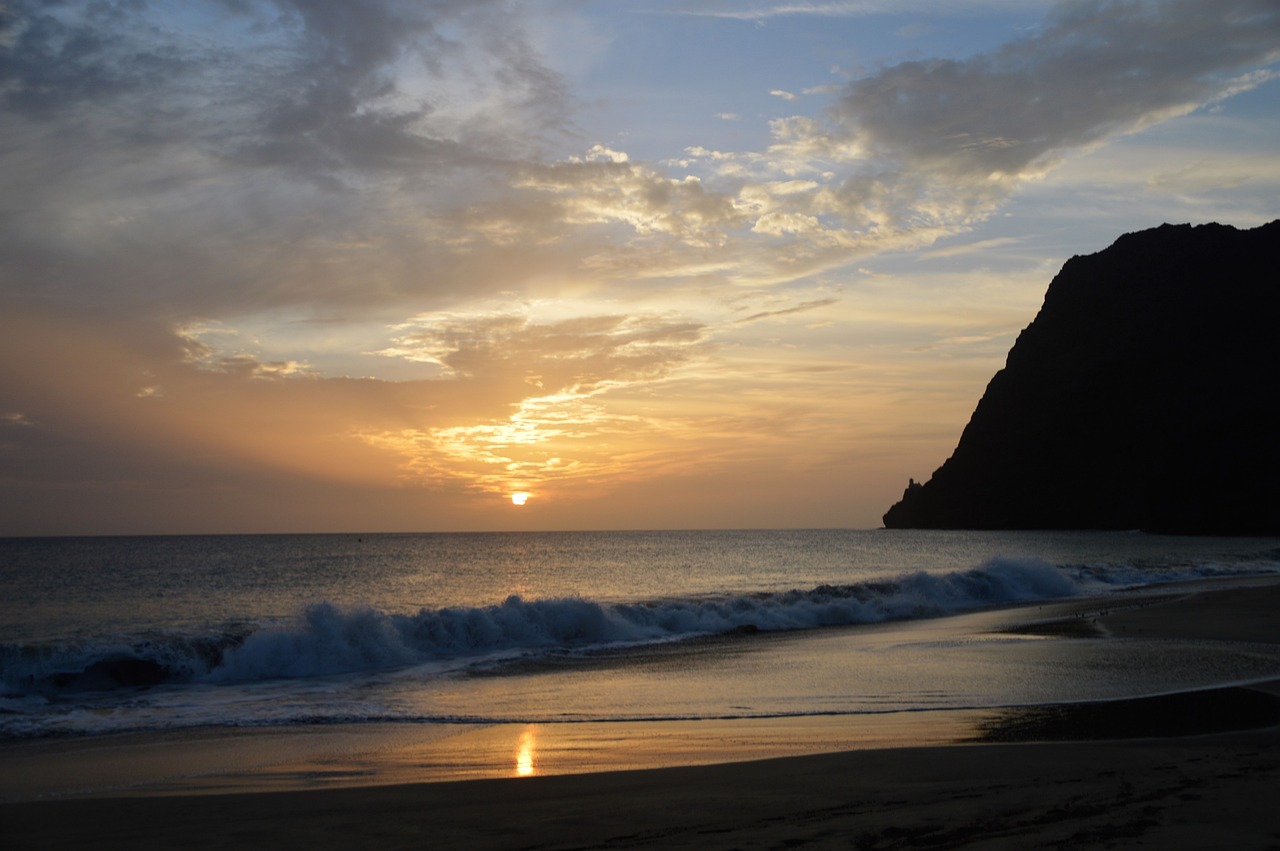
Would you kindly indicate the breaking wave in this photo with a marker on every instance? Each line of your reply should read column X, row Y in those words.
column 326, row 639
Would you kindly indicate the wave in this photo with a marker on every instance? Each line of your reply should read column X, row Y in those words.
column 328, row 640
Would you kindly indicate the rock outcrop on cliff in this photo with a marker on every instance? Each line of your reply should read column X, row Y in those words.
column 1144, row 395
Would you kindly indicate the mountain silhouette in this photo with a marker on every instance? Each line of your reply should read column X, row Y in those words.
column 1144, row 395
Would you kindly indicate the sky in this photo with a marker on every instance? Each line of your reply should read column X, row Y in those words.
column 402, row 265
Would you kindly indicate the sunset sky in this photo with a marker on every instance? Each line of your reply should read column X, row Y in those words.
column 378, row 265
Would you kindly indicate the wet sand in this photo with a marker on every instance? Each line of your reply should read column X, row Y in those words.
column 1193, row 778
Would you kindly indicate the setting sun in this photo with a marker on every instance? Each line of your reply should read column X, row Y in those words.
column 519, row 498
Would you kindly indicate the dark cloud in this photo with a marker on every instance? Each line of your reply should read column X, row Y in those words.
column 50, row 63
column 1096, row 68
column 199, row 159
column 952, row 132
column 312, row 85
column 317, row 118
column 340, row 101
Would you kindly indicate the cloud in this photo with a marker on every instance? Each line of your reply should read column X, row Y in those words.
column 761, row 13
column 520, row 404
column 332, row 180
column 607, row 188
column 982, row 246
column 799, row 308
column 375, row 85
column 320, row 156
column 579, row 355
column 951, row 137
column 203, row 137
column 52, row 61
column 923, row 149
column 555, row 373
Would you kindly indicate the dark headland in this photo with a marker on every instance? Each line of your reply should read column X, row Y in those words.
column 1144, row 395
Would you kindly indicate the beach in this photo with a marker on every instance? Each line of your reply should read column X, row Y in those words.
column 1204, row 775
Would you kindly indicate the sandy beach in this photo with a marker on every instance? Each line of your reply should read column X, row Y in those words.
column 1201, row 774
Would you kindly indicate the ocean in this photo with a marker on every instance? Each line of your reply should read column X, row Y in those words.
column 132, row 634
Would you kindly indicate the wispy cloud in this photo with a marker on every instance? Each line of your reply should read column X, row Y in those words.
column 555, row 375
column 761, row 12
column 968, row 248
column 799, row 308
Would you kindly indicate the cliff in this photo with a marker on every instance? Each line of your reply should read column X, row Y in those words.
column 1144, row 395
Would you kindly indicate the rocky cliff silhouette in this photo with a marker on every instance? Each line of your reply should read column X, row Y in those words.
column 1144, row 395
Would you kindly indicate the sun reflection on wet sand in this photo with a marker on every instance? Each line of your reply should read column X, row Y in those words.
column 524, row 754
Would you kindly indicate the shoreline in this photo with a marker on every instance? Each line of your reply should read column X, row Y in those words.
column 220, row 761
column 1190, row 792
column 1172, row 786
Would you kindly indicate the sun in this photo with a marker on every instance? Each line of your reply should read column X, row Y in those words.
column 519, row 498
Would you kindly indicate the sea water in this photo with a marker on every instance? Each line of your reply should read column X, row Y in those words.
column 102, row 635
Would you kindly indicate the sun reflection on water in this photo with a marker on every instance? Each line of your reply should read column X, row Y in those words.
column 524, row 754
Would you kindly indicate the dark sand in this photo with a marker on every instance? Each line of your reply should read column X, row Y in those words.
column 1193, row 778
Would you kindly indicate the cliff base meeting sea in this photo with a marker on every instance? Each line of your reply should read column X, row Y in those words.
column 495, row 655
